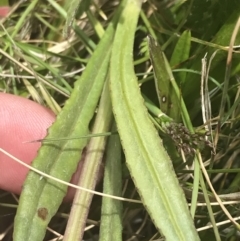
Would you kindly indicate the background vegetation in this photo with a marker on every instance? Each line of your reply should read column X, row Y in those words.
column 42, row 56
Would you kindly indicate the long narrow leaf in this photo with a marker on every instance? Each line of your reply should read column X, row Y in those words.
column 148, row 162
column 181, row 53
column 168, row 99
column 90, row 170
column 41, row 198
column 111, row 217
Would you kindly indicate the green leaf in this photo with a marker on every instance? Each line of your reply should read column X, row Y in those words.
column 168, row 99
column 72, row 7
column 181, row 54
column 147, row 160
column 41, row 197
column 111, row 217
column 90, row 169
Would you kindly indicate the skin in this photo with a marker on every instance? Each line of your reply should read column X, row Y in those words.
column 22, row 120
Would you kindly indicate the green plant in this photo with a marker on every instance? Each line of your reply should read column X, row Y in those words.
column 173, row 137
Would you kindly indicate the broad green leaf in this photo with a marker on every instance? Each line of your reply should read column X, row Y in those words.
column 41, row 197
column 147, row 160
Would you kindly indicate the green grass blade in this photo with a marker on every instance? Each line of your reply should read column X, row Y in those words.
column 148, row 162
column 41, row 198
column 71, row 9
column 24, row 16
column 111, row 217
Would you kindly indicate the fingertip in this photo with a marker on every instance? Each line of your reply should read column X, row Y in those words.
column 21, row 120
